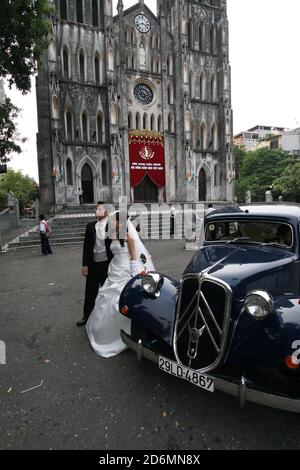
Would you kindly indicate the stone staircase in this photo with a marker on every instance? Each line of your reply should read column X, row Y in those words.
column 68, row 229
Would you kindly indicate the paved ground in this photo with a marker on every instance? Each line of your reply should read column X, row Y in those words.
column 86, row 402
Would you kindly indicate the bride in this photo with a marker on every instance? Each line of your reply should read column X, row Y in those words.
column 104, row 325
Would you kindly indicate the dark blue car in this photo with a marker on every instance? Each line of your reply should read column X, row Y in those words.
column 233, row 322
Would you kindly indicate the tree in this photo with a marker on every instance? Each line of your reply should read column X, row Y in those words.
column 24, row 26
column 24, row 188
column 288, row 185
column 257, row 171
column 8, row 132
column 23, row 37
column 239, row 154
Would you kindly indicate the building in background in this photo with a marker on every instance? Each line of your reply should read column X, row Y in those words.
column 256, row 137
column 135, row 104
column 288, row 141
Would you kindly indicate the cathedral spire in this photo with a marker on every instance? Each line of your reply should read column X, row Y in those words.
column 161, row 11
column 120, row 8
column 161, row 8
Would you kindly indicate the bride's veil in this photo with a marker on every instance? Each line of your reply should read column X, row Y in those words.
column 143, row 255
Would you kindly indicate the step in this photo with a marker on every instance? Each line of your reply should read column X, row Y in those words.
column 70, row 229
column 79, row 208
column 67, row 226
column 81, row 231
column 53, row 240
column 59, row 236
column 38, row 247
column 71, row 222
column 55, row 233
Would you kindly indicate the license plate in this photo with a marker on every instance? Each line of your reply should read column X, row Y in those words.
column 185, row 373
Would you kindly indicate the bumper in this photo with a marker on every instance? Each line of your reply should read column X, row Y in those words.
column 237, row 390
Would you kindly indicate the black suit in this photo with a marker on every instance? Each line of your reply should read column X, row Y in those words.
column 97, row 272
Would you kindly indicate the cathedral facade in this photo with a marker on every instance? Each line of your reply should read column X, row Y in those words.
column 135, row 104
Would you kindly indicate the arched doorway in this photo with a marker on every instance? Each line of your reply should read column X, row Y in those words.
column 146, row 191
column 202, row 185
column 87, row 184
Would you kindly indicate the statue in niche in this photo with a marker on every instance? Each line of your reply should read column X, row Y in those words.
column 54, row 85
column 58, row 170
column 142, row 57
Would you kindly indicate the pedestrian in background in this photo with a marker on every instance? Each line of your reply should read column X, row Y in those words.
column 80, row 194
column 45, row 233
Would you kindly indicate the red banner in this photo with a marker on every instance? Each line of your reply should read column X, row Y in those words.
column 147, row 156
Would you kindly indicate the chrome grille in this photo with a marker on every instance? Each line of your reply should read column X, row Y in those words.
column 202, row 319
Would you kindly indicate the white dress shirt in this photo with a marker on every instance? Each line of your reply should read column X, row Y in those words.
column 100, row 254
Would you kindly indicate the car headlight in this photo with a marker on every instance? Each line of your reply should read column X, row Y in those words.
column 259, row 304
column 152, row 283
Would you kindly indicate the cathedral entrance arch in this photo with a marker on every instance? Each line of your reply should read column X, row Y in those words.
column 202, row 184
column 146, row 191
column 87, row 184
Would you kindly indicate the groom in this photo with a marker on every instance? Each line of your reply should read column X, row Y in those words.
column 95, row 260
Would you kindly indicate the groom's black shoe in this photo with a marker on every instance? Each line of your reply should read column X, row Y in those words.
column 82, row 322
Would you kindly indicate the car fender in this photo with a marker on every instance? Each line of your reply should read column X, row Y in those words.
column 156, row 314
column 271, row 340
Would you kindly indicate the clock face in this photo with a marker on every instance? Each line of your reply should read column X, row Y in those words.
column 142, row 23
column 143, row 93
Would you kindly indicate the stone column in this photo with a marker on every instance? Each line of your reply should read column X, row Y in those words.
column 17, row 212
column 37, row 210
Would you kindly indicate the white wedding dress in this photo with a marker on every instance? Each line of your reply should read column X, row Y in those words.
column 104, row 325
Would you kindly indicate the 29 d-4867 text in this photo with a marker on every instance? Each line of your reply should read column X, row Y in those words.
column 192, row 376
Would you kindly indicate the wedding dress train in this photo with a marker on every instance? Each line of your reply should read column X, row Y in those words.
column 104, row 325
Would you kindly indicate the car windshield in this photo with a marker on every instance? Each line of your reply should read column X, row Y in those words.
column 250, row 232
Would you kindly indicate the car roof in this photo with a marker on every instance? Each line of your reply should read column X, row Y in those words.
column 290, row 212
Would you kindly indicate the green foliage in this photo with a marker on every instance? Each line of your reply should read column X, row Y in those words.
column 8, row 132
column 257, row 170
column 23, row 37
column 288, row 185
column 24, row 188
column 24, row 26
column 239, row 153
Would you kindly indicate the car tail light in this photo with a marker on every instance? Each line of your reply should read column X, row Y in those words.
column 125, row 310
column 290, row 363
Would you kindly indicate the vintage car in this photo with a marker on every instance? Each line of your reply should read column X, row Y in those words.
column 233, row 322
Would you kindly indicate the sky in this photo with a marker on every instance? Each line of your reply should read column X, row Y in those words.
column 264, row 45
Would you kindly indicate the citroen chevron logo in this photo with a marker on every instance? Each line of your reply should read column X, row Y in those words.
column 195, row 335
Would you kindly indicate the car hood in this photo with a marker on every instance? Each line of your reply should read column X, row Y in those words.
column 246, row 268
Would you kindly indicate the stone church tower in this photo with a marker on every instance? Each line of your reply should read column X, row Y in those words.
column 135, row 104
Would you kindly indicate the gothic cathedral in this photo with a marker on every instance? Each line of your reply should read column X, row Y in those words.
column 135, row 104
